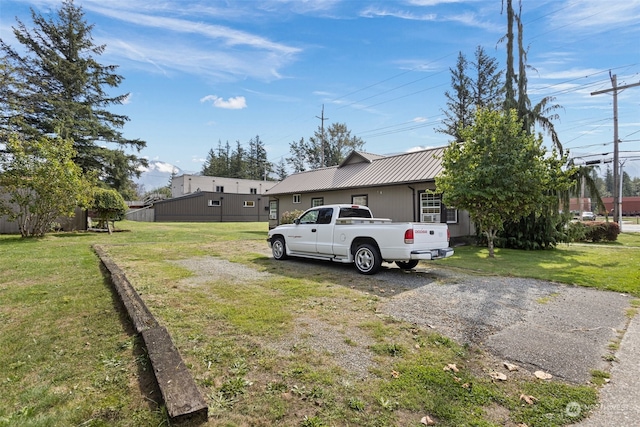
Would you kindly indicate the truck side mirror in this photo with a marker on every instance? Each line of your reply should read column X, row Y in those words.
column 296, row 221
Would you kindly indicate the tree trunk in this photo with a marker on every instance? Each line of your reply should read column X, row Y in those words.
column 491, row 235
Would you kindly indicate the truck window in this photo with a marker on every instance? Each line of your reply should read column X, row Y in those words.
column 324, row 217
column 310, row 217
column 355, row 213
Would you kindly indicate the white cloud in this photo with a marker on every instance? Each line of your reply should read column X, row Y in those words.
column 598, row 15
column 233, row 103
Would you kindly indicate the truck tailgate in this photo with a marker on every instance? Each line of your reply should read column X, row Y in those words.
column 430, row 235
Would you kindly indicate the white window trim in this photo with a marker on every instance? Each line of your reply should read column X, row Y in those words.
column 248, row 204
column 455, row 221
column 297, row 198
column 214, row 203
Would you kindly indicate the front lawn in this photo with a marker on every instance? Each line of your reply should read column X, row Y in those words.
column 69, row 356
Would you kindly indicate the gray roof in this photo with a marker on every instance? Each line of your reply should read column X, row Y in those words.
column 361, row 169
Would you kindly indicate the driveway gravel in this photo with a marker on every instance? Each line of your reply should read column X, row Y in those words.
column 560, row 329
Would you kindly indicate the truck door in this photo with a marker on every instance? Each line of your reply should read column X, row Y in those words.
column 324, row 231
column 302, row 237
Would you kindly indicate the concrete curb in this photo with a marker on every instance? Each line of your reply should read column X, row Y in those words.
column 179, row 391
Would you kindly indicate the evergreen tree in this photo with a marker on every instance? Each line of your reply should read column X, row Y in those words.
column 208, row 167
column 608, row 182
column 257, row 165
column 237, row 162
column 281, row 170
column 487, row 90
column 58, row 87
column 484, row 90
column 459, row 112
column 327, row 147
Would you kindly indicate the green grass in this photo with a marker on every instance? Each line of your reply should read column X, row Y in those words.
column 69, row 356
column 611, row 266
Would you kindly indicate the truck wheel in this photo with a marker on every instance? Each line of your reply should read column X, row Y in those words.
column 278, row 248
column 367, row 259
column 407, row 265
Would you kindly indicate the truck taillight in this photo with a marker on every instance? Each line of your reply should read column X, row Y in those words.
column 408, row 236
column 448, row 234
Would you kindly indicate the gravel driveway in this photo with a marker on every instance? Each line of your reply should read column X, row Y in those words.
column 560, row 329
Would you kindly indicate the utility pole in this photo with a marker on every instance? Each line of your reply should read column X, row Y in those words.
column 617, row 179
column 322, row 119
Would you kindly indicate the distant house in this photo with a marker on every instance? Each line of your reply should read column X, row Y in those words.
column 189, row 184
column 400, row 187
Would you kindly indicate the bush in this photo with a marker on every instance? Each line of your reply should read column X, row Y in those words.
column 288, row 217
column 108, row 205
column 576, row 232
column 596, row 231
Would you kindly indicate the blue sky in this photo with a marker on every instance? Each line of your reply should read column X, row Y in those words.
column 199, row 71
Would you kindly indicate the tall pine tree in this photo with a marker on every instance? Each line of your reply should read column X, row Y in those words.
column 58, row 87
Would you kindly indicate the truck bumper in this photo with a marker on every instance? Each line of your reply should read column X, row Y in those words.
column 432, row 254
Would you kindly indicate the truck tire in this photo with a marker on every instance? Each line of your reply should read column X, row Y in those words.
column 367, row 259
column 407, row 265
column 278, row 248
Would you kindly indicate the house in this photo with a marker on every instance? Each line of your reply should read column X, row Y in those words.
column 400, row 187
column 189, row 184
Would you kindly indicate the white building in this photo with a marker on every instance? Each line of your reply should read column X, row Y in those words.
column 188, row 184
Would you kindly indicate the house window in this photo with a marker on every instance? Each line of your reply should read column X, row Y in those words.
column 219, row 189
column 430, row 207
column 214, row 202
column 273, row 209
column 317, row 201
column 253, row 191
column 452, row 215
column 362, row 200
column 248, row 204
column 296, row 198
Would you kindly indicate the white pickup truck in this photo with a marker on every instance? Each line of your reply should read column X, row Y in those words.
column 350, row 234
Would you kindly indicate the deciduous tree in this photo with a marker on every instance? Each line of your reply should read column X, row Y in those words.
column 497, row 173
column 42, row 182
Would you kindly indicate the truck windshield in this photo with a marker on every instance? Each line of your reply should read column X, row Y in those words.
column 355, row 213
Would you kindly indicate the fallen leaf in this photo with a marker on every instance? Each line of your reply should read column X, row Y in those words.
column 427, row 421
column 529, row 399
column 498, row 376
column 451, row 367
column 395, row 374
column 457, row 379
column 522, row 425
column 510, row 366
column 542, row 375
column 466, row 385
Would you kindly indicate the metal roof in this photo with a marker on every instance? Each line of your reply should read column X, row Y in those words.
column 366, row 170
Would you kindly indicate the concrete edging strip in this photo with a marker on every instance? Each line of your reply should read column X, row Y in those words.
column 179, row 391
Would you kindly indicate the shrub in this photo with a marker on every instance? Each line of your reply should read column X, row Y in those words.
column 576, row 232
column 596, row 231
column 289, row 216
column 108, row 205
